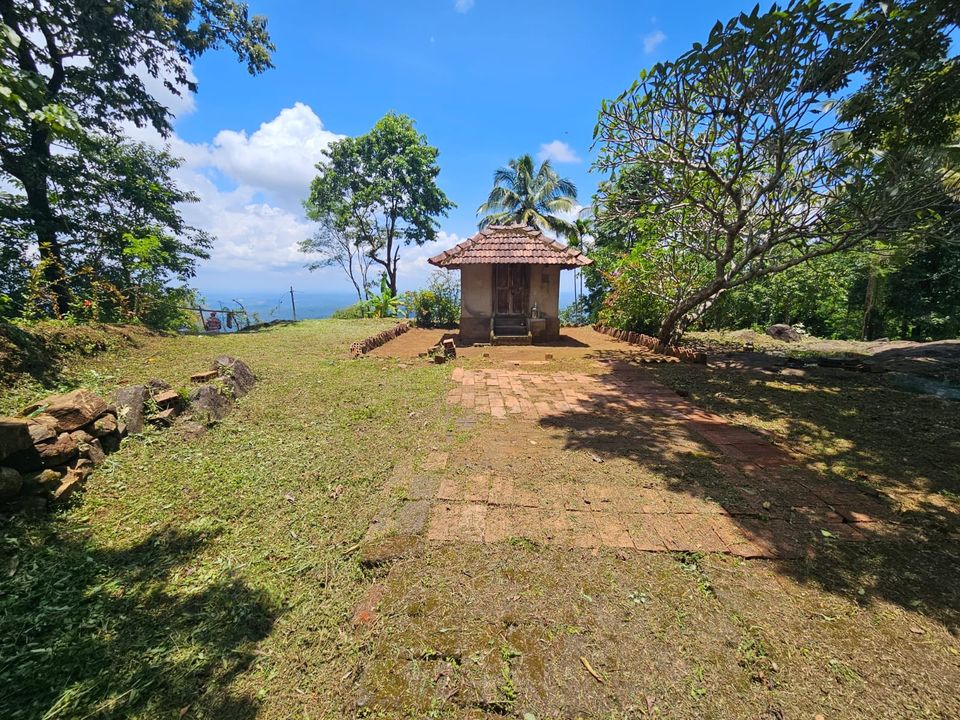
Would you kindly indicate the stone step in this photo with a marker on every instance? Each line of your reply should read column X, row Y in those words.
column 525, row 339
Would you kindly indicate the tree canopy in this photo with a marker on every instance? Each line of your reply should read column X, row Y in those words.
column 73, row 72
column 380, row 190
column 747, row 156
column 529, row 196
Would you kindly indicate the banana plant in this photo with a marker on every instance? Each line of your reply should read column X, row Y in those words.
column 384, row 305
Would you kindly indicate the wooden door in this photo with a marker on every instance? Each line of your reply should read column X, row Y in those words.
column 512, row 289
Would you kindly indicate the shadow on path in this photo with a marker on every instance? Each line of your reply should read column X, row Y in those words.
column 907, row 555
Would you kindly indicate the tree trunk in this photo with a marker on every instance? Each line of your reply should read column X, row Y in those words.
column 869, row 301
column 44, row 221
column 686, row 313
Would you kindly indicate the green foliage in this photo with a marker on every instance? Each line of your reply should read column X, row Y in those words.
column 126, row 252
column 750, row 155
column 351, row 312
column 537, row 199
column 437, row 305
column 383, row 305
column 576, row 313
column 71, row 73
column 379, row 191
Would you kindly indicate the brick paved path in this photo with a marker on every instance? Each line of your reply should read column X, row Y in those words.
column 534, row 396
column 767, row 509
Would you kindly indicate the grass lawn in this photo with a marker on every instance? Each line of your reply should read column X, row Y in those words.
column 218, row 578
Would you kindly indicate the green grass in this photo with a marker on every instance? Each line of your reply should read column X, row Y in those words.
column 217, row 578
column 194, row 575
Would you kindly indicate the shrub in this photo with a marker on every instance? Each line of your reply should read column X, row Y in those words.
column 437, row 305
column 351, row 312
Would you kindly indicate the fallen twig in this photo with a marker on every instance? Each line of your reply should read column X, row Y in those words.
column 589, row 667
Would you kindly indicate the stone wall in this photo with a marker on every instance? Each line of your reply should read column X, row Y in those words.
column 49, row 450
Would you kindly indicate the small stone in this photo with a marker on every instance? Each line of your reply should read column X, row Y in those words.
column 156, row 385
column 81, row 437
column 164, row 418
column 14, row 436
column 236, row 374
column 41, row 432
column 93, row 451
column 208, row 404
column 104, row 425
column 110, row 443
column 48, row 479
column 70, row 484
column 11, row 482
column 784, row 333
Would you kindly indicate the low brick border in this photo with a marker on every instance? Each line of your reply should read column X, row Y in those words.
column 362, row 347
column 635, row 338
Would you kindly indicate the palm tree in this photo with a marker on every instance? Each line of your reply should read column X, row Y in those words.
column 520, row 196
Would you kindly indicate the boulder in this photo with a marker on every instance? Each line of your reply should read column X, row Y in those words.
column 784, row 333
column 93, row 451
column 14, row 436
column 10, row 483
column 130, row 405
column 45, row 480
column 41, row 432
column 235, row 374
column 208, row 404
column 104, row 426
column 72, row 410
column 60, row 451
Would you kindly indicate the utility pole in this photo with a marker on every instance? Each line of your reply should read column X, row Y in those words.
column 293, row 304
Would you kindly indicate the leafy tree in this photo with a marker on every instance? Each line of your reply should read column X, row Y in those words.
column 73, row 70
column 341, row 248
column 124, row 239
column 380, row 190
column 735, row 162
column 528, row 197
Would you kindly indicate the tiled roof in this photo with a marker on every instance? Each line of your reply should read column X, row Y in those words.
column 504, row 244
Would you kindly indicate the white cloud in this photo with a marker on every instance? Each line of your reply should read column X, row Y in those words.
column 557, row 151
column 251, row 186
column 413, row 267
column 280, row 157
column 652, row 41
column 463, row 6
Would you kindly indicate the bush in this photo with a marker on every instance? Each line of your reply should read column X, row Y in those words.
column 437, row 305
column 576, row 313
column 351, row 312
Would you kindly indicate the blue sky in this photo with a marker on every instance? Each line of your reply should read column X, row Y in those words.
column 485, row 80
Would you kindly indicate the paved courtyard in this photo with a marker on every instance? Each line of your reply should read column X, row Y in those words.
column 762, row 503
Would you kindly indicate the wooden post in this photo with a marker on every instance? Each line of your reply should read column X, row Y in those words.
column 293, row 304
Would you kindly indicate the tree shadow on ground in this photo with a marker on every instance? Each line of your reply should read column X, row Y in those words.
column 142, row 631
column 909, row 558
